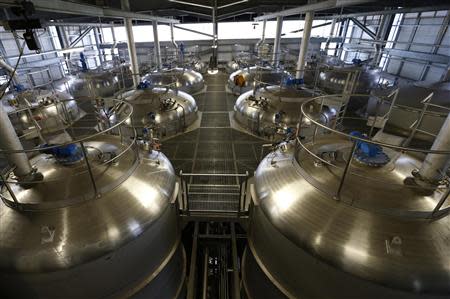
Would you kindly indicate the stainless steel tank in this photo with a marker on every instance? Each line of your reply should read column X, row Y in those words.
column 256, row 75
column 332, row 80
column 46, row 111
column 200, row 66
column 273, row 111
column 165, row 111
column 332, row 218
column 186, row 80
column 241, row 59
column 409, row 106
column 103, row 82
column 107, row 228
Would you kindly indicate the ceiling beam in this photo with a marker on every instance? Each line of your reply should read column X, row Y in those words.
column 66, row 7
column 369, row 32
column 322, row 5
column 194, row 31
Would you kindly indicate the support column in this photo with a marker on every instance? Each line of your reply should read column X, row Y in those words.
column 382, row 36
column 343, row 35
column 9, row 141
column 277, row 42
column 213, row 60
column 435, row 165
column 304, row 45
column 157, row 48
column 97, row 43
column 131, row 45
column 132, row 51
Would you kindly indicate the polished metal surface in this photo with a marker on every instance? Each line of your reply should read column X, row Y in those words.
column 256, row 75
column 166, row 111
column 355, row 237
column 232, row 66
column 410, row 97
column 332, row 80
column 200, row 66
column 271, row 111
column 53, row 111
column 186, row 80
column 108, row 220
column 10, row 141
column 103, row 82
column 320, row 215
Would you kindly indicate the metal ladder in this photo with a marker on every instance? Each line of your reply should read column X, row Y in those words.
column 349, row 87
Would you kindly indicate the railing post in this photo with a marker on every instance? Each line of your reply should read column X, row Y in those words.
column 377, row 108
column 346, row 169
column 10, row 191
column 441, row 202
column 419, row 120
column 91, row 176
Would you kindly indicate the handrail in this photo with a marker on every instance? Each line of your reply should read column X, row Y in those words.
column 324, row 126
column 110, row 128
column 86, row 167
column 240, row 185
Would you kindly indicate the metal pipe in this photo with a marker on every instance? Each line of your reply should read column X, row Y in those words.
column 157, row 48
column 263, row 37
column 9, row 68
column 327, row 44
column 193, row 266
column 172, row 38
column 205, row 275
column 234, row 253
column 304, row 45
column 277, row 41
column 435, row 165
column 10, row 142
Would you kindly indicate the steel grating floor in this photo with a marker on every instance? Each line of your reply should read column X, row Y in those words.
column 214, row 148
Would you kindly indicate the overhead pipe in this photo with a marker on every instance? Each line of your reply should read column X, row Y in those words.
column 304, row 45
column 434, row 166
column 277, row 42
column 327, row 44
column 9, row 68
column 382, row 34
column 263, row 38
column 156, row 45
column 172, row 38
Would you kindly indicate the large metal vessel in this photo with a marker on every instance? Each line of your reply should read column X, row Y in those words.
column 242, row 58
column 422, row 101
column 104, row 82
column 186, row 80
column 164, row 111
column 273, row 112
column 255, row 75
column 344, row 216
column 93, row 218
column 332, row 75
column 44, row 112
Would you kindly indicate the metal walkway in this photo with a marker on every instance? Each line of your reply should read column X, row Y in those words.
column 214, row 148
